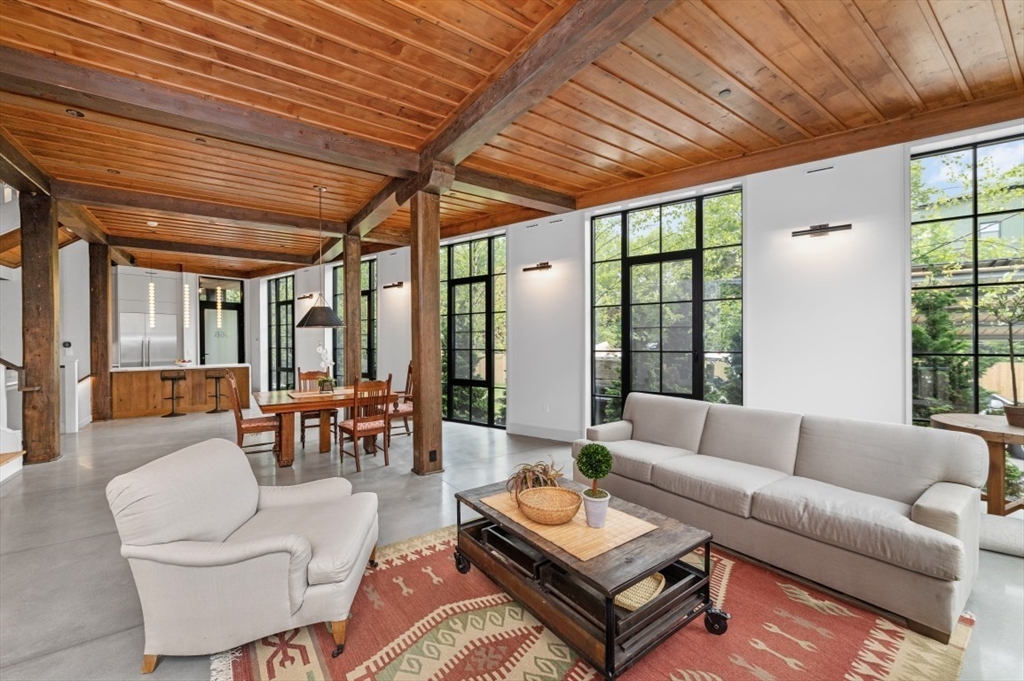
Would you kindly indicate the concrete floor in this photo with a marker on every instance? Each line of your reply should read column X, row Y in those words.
column 68, row 605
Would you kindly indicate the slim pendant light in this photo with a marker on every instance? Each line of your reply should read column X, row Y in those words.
column 320, row 315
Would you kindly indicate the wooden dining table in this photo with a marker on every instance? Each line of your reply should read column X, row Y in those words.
column 288, row 403
column 997, row 433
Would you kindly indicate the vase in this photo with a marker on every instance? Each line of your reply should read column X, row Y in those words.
column 1014, row 415
column 597, row 509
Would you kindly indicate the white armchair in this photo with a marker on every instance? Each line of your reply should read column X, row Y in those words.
column 219, row 561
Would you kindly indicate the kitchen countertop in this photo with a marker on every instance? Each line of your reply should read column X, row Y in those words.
column 165, row 367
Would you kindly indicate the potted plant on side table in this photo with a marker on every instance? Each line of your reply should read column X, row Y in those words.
column 595, row 462
column 1005, row 304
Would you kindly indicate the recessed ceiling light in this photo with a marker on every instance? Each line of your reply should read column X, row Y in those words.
column 74, row 112
column 725, row 93
column 113, row 172
column 152, row 223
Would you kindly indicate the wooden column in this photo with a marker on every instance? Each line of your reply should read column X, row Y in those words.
column 353, row 299
column 40, row 310
column 99, row 330
column 426, row 332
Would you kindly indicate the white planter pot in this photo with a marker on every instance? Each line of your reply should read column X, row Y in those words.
column 596, row 509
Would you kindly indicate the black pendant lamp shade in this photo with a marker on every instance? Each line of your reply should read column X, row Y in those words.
column 320, row 316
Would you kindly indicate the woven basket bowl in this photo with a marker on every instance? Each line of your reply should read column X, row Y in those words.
column 549, row 505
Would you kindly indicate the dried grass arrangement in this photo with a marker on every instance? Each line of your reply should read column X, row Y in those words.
column 529, row 475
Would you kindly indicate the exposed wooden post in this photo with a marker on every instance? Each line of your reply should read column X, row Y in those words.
column 99, row 330
column 426, row 332
column 40, row 310
column 353, row 310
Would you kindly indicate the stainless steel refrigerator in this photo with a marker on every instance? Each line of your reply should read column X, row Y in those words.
column 143, row 346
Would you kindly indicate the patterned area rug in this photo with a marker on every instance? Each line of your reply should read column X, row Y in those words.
column 416, row 618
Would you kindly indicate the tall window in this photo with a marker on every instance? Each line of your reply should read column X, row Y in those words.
column 967, row 267
column 281, row 355
column 368, row 316
column 473, row 331
column 668, row 280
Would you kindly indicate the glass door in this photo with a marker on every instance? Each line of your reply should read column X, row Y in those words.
column 469, row 360
column 660, row 332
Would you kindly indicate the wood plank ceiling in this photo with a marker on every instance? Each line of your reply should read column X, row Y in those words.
column 704, row 90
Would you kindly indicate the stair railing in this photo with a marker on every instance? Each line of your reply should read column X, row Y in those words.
column 20, row 371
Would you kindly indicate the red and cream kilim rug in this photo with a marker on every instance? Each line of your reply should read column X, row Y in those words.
column 416, row 618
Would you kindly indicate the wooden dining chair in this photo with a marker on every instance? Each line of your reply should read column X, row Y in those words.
column 309, row 381
column 371, row 416
column 402, row 406
column 257, row 424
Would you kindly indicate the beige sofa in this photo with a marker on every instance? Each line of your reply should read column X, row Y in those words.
column 886, row 513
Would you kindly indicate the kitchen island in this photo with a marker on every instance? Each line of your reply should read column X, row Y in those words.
column 138, row 391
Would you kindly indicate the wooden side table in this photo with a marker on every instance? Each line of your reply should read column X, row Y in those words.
column 997, row 433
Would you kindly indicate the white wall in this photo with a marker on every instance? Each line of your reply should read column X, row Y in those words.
column 547, row 312
column 826, row 318
column 394, row 316
column 74, row 307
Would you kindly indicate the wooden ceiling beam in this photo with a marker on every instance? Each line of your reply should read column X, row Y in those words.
column 109, row 197
column 192, row 248
column 268, row 271
column 77, row 86
column 508, row 190
column 576, row 40
column 492, row 221
column 83, row 225
column 17, row 170
column 914, row 126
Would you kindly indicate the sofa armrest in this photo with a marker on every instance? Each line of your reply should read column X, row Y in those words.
column 316, row 492
column 610, row 432
column 950, row 508
column 221, row 562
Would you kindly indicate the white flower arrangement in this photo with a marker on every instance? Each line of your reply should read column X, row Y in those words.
column 325, row 358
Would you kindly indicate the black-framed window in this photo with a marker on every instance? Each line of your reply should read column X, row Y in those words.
column 474, row 331
column 368, row 319
column 667, row 292
column 967, row 254
column 221, row 317
column 281, row 332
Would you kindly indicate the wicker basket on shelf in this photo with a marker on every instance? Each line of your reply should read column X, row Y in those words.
column 549, row 505
column 641, row 593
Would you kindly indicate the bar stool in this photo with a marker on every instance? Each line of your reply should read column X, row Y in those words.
column 216, row 375
column 173, row 376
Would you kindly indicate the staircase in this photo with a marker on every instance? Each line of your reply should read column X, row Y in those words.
column 11, row 453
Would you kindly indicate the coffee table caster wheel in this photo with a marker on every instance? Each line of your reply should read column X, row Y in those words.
column 337, row 651
column 461, row 563
column 716, row 621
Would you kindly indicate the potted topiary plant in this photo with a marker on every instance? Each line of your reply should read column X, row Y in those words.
column 595, row 462
column 326, row 384
column 1005, row 304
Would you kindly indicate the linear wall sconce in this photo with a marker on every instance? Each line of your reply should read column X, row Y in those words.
column 306, row 296
column 397, row 284
column 821, row 230
column 539, row 266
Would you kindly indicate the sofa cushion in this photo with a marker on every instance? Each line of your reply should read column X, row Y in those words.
column 755, row 436
column 862, row 523
column 719, row 483
column 336, row 531
column 892, row 461
column 200, row 493
column 633, row 459
column 664, row 420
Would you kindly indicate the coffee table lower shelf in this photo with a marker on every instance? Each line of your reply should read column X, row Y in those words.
column 609, row 637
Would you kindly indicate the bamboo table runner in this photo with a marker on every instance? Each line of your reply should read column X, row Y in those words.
column 575, row 536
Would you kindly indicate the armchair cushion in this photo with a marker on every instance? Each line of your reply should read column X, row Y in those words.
column 200, row 493
column 336, row 531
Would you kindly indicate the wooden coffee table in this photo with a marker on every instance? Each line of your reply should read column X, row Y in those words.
column 575, row 598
